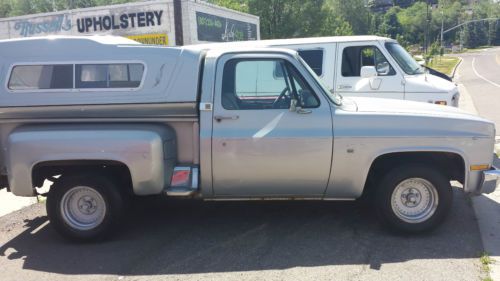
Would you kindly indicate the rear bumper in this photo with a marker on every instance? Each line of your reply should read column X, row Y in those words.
column 491, row 179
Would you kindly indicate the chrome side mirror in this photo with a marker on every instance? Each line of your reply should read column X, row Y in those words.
column 368, row 72
column 293, row 105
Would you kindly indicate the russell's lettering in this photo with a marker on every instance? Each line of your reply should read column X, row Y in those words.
column 52, row 25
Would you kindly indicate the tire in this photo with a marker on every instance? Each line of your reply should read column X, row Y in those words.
column 84, row 207
column 413, row 198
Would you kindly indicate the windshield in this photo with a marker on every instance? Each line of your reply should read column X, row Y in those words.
column 405, row 60
column 336, row 98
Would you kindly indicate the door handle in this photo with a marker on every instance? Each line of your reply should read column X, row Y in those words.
column 344, row 86
column 219, row 118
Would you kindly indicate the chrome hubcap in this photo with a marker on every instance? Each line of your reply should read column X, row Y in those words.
column 414, row 200
column 83, row 208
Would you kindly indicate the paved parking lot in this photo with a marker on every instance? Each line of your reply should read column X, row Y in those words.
column 185, row 240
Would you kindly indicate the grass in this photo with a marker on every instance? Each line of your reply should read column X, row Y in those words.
column 444, row 64
column 486, row 261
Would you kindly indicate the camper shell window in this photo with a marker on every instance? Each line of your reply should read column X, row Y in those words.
column 41, row 77
column 76, row 76
column 108, row 75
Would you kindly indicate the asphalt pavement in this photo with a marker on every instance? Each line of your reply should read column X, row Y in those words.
column 479, row 83
column 479, row 72
column 290, row 240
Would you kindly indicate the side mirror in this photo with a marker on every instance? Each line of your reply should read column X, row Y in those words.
column 368, row 72
column 383, row 68
column 293, row 105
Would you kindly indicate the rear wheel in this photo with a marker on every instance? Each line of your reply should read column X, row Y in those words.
column 84, row 207
column 413, row 198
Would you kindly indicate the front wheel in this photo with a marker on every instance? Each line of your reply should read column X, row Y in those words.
column 413, row 198
column 84, row 207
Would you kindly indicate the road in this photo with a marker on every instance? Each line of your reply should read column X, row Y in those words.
column 480, row 74
column 479, row 80
column 186, row 240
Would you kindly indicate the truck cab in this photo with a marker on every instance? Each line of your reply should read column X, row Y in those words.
column 367, row 66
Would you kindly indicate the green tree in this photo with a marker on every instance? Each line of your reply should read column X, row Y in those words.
column 334, row 25
column 413, row 21
column 390, row 25
column 288, row 18
column 237, row 5
column 355, row 12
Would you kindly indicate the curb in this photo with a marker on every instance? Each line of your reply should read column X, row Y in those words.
column 455, row 68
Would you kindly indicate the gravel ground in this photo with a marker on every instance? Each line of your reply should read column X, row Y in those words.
column 186, row 240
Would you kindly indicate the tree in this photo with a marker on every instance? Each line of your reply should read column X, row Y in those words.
column 391, row 26
column 288, row 18
column 334, row 25
column 413, row 21
column 355, row 12
column 237, row 5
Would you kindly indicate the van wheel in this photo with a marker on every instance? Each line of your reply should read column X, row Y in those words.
column 413, row 198
column 84, row 207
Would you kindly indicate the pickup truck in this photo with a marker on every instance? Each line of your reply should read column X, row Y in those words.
column 105, row 119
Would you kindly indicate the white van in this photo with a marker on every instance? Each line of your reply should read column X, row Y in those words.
column 367, row 66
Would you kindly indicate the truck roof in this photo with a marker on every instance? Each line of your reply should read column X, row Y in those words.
column 298, row 41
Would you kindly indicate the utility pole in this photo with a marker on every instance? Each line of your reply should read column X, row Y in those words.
column 426, row 35
column 442, row 28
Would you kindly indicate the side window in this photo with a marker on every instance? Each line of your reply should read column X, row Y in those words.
column 314, row 58
column 41, row 77
column 353, row 58
column 108, row 75
column 254, row 84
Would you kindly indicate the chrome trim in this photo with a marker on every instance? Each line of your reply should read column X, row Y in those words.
column 491, row 179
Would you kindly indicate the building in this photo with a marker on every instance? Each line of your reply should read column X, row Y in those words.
column 165, row 22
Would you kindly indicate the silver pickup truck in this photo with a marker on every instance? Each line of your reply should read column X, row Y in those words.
column 104, row 119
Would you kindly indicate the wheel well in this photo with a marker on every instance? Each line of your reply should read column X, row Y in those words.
column 451, row 164
column 52, row 169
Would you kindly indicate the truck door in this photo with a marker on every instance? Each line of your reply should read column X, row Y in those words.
column 259, row 146
column 387, row 83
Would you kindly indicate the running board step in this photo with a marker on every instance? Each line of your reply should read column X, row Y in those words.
column 184, row 182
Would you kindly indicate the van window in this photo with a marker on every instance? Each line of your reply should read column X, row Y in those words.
column 353, row 58
column 41, row 77
column 252, row 84
column 314, row 58
column 108, row 75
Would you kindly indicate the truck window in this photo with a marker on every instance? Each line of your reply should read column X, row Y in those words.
column 108, row 75
column 353, row 58
column 41, row 77
column 314, row 58
column 252, row 84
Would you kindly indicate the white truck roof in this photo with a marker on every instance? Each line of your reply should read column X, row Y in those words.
column 299, row 41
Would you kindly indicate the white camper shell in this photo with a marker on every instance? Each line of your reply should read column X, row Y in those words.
column 366, row 66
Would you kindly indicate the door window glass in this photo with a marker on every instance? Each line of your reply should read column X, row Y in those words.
column 264, row 84
column 353, row 58
column 314, row 58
